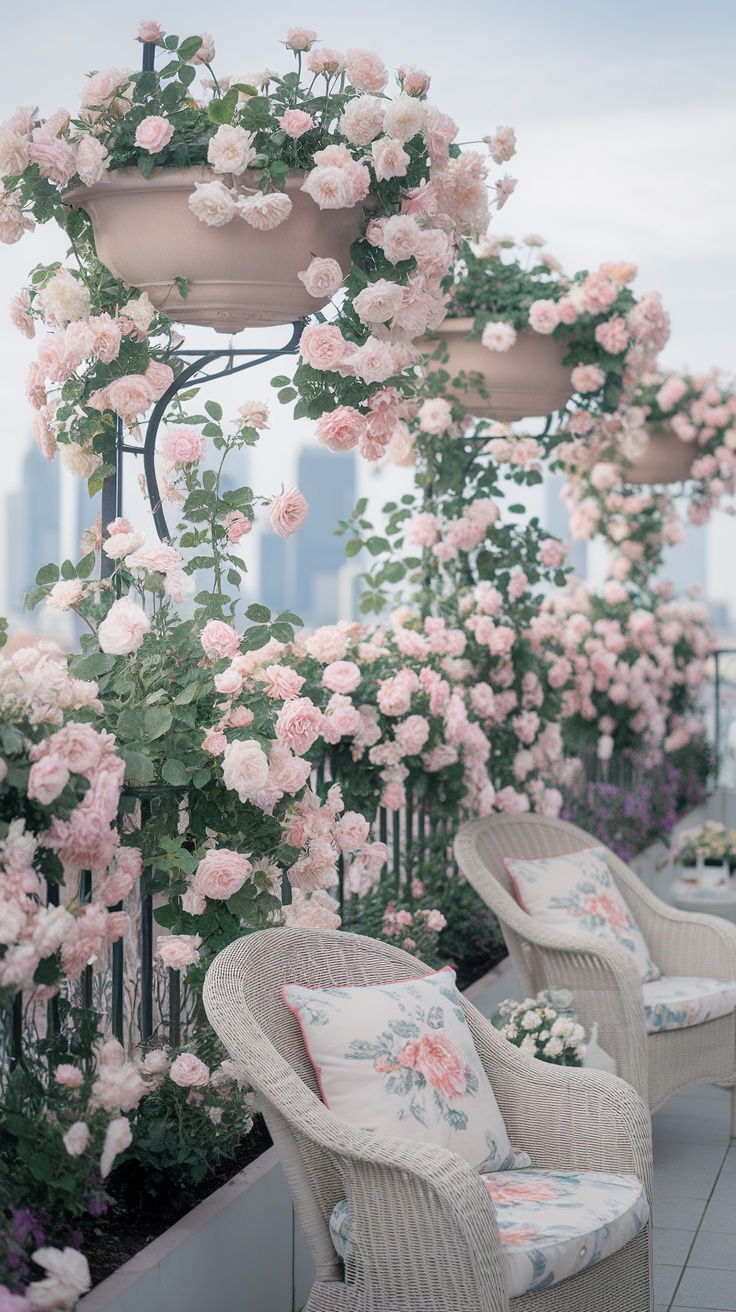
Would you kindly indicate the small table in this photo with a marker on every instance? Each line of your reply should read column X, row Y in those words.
column 712, row 901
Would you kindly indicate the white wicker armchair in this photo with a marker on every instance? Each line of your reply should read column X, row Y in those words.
column 425, row 1231
column 604, row 978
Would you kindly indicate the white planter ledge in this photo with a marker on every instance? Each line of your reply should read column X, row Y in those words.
column 241, row 1250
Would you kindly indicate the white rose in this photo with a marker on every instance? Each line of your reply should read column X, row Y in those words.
column 245, row 768
column 231, row 149
column 92, row 160
column 212, row 204
column 123, row 629
column 405, row 117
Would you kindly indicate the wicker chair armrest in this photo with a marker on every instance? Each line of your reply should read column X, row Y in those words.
column 424, row 1226
column 566, row 1118
column 682, row 942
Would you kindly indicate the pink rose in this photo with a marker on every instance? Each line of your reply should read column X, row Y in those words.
column 498, row 336
column 76, row 1141
column 159, row 377
column 47, row 779
column 229, row 682
column 184, row 445
column 149, row 31
column 237, row 525
column 206, row 52
column 130, row 397
column 365, row 69
column 435, row 416
column 552, row 554
column 241, row 717
column 69, row 1077
column 544, row 316
column 64, row 594
column 613, row 335
column 341, row 429
column 281, row 682
column 587, row 378
column 219, row 639
column 439, row 1061
column 323, row 346
column 221, row 872
column 330, row 187
column 153, row 133
column 265, row 211
column 341, row 676
column 351, row 831
column 214, row 742
column 245, row 767
column 189, row 1072
column 300, row 38
column 193, row 902
column 287, row 513
column 323, row 278
column 299, row 724
column 177, row 951
column 123, row 629
column 412, row 734
column 324, row 61
column 390, row 160
column 55, row 159
column 296, row 122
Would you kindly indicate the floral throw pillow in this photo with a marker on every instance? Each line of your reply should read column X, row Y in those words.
column 577, row 893
column 399, row 1060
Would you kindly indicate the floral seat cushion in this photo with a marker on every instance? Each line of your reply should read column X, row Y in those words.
column 398, row 1059
column 577, row 892
column 675, row 1002
column 552, row 1223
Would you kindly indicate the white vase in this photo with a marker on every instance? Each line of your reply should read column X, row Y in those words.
column 596, row 1057
column 712, row 876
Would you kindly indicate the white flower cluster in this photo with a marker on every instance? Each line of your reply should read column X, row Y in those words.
column 544, row 1027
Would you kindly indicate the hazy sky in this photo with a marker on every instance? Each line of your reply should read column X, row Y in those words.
column 625, row 117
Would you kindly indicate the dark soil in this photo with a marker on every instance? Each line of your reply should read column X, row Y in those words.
column 122, row 1233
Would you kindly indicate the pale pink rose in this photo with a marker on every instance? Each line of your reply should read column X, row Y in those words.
column 76, row 1141
column 107, row 337
column 241, row 717
column 212, row 203
column 393, row 796
column 552, row 554
column 390, row 160
column 184, row 445
column 300, row 38
column 505, row 188
column 362, row 119
column 434, row 920
column 587, row 378
column 498, row 336
column 400, row 238
column 237, row 525
column 206, row 52
column 47, row 779
column 265, row 211
column 214, row 742
column 341, row 429
column 55, row 159
column 414, row 80
column 130, row 397
column 613, row 335
column 324, row 61
column 159, row 378
column 330, row 187
column 254, row 414
column 323, row 278
column 600, row 292
column 435, row 416
column 153, row 133
column 64, row 594
column 118, row 925
column 287, row 513
column 219, row 639
column 177, row 951
column 118, row 1087
column 374, row 362
column 20, row 304
column 231, row 149
column 323, row 346
column 281, row 682
column 423, row 530
column 442, row 1064
column 614, row 593
column 299, row 724
column 229, row 682
column 15, row 153
column 412, row 734
column 295, row 122
column 404, row 118
column 351, row 831
column 365, row 70
column 544, row 316
column 513, row 803
column 150, row 31
column 222, row 872
column 123, row 629
column 245, row 767
column 672, row 390
column 69, row 1077
column 341, row 676
column 377, row 302
column 161, row 559
column 118, row 1137
column 502, row 145
column 193, row 903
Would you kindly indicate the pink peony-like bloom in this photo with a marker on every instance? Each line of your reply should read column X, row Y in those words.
column 435, row 416
column 365, row 70
column 330, row 187
column 287, row 513
column 300, row 38
column 502, row 145
column 341, row 429
column 439, row 1061
column 69, row 1077
column 66, row 1280
column 281, row 682
column 544, row 316
column 552, row 554
column 265, row 211
column 241, row 717
column 296, row 122
column 184, row 445
column 64, row 594
column 123, row 629
column 55, row 159
column 20, row 305
column 237, row 525
column 118, row 1137
column 254, row 414
column 130, row 397
column 189, row 1072
column 47, row 779
column 351, row 831
column 299, row 724
column 245, row 768
column 222, row 872
column 323, row 278
column 362, row 119
column 324, row 61
column 219, row 639
column 341, row 676
column 613, row 335
column 498, row 336
column 412, row 734
column 379, row 301
column 153, row 133
column 323, row 346
column 587, row 378
column 672, row 390
column 177, row 951
column 150, row 31
column 390, row 160
column 212, row 203
column 76, row 1141
column 214, row 742
column 400, row 238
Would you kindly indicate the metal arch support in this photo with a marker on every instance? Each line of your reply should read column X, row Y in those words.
column 197, row 369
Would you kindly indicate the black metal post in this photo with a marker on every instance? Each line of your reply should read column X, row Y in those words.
column 174, row 1008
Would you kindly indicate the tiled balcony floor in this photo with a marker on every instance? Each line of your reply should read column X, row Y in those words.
column 694, row 1187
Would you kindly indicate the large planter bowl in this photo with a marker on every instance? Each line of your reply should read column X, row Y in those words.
column 667, row 459
column 239, row 277
column 527, row 381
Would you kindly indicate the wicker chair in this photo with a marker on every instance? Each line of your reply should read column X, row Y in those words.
column 426, row 1237
column 604, row 978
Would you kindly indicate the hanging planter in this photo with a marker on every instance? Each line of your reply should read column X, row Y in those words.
column 667, row 458
column 238, row 277
column 527, row 380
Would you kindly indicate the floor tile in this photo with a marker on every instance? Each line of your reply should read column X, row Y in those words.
column 679, row 1213
column 665, row 1283
column 671, row 1247
column 701, row 1288
column 709, row 1250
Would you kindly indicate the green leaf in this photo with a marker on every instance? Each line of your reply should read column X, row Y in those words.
column 214, row 410
column 47, row 574
column 289, row 617
column 201, row 778
column 174, row 772
column 259, row 614
column 157, row 721
column 394, row 572
column 281, row 381
column 517, row 509
column 377, row 545
column 188, row 48
column 48, row 970
column 67, row 570
column 187, row 74
column 282, row 632
column 353, row 547
column 255, row 638
column 286, row 395
column 209, row 478
column 86, row 565
column 138, row 767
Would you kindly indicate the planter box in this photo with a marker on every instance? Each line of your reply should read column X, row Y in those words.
column 241, row 1250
